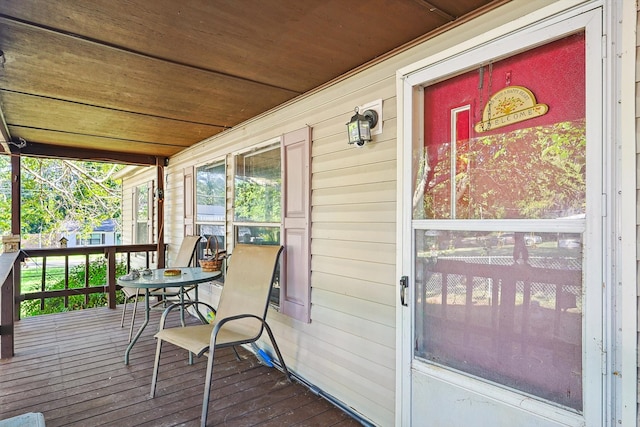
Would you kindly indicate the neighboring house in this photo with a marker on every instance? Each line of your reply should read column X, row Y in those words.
column 401, row 298
column 104, row 234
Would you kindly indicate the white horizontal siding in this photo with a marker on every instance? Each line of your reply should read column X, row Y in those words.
column 382, row 253
column 384, row 211
column 348, row 194
column 375, row 292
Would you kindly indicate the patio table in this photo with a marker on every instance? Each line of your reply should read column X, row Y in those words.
column 157, row 279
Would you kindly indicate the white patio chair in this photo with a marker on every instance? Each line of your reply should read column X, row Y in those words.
column 239, row 319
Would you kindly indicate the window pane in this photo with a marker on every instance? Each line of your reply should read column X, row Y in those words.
column 506, row 140
column 258, row 235
column 506, row 307
column 143, row 202
column 142, row 232
column 211, row 193
column 258, row 187
column 207, row 231
column 142, row 214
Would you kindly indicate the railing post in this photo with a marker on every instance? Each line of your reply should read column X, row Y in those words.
column 7, row 262
column 6, row 318
column 17, row 285
column 110, row 253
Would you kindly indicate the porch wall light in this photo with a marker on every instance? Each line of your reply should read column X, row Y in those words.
column 360, row 125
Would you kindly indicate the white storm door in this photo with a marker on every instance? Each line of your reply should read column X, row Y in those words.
column 501, row 240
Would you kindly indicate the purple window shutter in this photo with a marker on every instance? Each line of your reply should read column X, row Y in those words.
column 295, row 287
column 188, row 192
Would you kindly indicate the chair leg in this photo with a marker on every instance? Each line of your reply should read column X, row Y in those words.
column 156, row 366
column 207, row 388
column 238, row 358
column 275, row 347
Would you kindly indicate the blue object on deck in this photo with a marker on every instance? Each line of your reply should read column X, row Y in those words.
column 262, row 356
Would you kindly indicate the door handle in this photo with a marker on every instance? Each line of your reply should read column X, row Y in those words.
column 404, row 284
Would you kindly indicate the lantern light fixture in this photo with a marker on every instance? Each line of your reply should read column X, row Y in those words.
column 360, row 125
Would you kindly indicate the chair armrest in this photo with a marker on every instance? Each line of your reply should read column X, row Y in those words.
column 184, row 305
column 222, row 322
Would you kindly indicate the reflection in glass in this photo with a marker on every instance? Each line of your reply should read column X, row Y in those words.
column 258, row 186
column 526, row 173
column 142, row 214
column 506, row 307
column 211, row 192
column 258, row 235
column 485, row 153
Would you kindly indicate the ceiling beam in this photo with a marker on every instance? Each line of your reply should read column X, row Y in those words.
column 5, row 136
column 33, row 149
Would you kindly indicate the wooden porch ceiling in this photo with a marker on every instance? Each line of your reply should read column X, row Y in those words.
column 135, row 79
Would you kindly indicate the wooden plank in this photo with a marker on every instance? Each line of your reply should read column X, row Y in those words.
column 305, row 412
column 249, row 41
column 64, row 292
column 67, row 117
column 69, row 367
column 97, row 74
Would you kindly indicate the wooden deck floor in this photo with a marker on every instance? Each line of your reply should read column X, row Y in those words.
column 70, row 366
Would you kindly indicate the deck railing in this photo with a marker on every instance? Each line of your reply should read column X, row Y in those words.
column 11, row 290
column 68, row 257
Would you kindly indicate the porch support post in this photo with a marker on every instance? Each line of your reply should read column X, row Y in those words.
column 15, row 228
column 110, row 253
column 160, row 162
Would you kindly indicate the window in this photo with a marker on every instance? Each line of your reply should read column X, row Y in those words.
column 258, row 196
column 211, row 207
column 271, row 195
column 142, row 202
column 92, row 239
column 258, row 201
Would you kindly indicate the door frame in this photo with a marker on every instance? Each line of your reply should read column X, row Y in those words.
column 536, row 29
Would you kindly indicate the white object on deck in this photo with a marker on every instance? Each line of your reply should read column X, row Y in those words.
column 31, row 419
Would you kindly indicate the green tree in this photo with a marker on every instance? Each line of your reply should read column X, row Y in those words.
column 56, row 193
